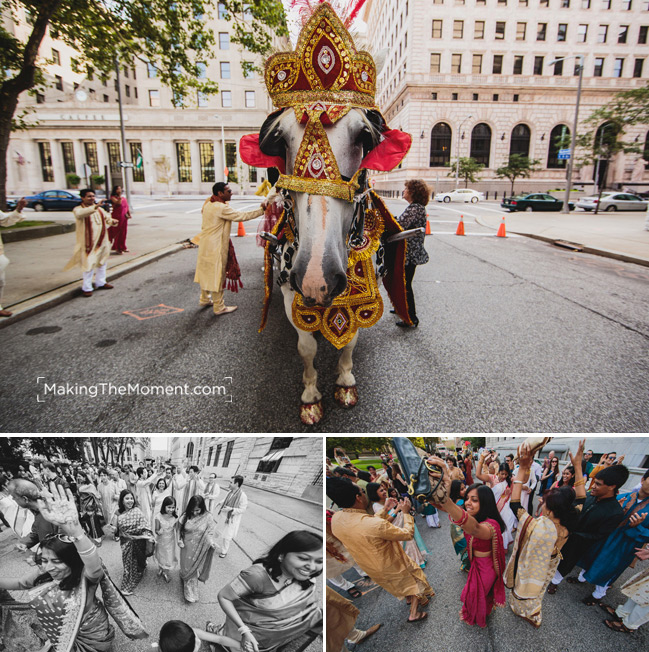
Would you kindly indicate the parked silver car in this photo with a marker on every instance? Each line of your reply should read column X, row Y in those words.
column 614, row 201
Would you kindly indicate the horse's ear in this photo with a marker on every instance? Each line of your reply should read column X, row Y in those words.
column 271, row 137
column 371, row 134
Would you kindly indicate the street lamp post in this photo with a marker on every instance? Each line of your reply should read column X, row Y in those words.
column 123, row 164
column 457, row 165
column 573, row 139
column 219, row 117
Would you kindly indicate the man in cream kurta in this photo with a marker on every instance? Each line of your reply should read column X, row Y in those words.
column 214, row 244
column 375, row 545
column 93, row 245
column 8, row 219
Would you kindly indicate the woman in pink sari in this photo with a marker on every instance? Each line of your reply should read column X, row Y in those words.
column 483, row 528
column 122, row 213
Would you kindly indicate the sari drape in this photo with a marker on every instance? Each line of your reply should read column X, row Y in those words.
column 132, row 523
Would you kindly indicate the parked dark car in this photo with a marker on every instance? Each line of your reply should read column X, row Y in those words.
column 53, row 200
column 534, row 202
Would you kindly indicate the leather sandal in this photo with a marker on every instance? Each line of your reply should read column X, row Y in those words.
column 421, row 615
column 618, row 626
column 590, row 601
column 609, row 610
column 573, row 580
column 552, row 589
column 368, row 633
column 354, row 592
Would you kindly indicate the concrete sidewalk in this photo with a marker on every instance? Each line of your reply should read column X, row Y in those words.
column 623, row 236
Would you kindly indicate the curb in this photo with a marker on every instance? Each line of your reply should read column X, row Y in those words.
column 33, row 232
column 604, row 253
column 41, row 302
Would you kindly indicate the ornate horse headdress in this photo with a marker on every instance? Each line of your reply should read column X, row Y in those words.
column 322, row 80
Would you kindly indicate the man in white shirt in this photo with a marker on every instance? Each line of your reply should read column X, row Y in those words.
column 231, row 511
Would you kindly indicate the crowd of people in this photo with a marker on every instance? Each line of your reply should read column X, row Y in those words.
column 510, row 554
column 161, row 512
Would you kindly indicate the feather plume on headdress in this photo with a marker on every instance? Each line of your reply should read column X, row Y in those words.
column 347, row 10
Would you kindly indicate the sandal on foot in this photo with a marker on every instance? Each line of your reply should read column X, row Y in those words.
column 618, row 626
column 552, row 589
column 368, row 633
column 354, row 592
column 573, row 580
column 590, row 601
column 609, row 610
column 421, row 615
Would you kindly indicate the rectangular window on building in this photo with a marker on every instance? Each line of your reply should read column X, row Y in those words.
column 518, row 65
column 500, row 30
column 154, row 98
column 437, row 29
column 565, row 4
column 225, row 69
column 538, row 65
column 575, row 70
column 502, row 3
column 642, row 34
column 231, row 156
column 602, row 33
column 226, row 99
column 151, row 71
column 250, row 99
column 456, row 63
column 224, row 41
column 523, row 3
column 476, row 67
column 127, row 90
column 90, row 73
column 201, row 99
column 209, row 456
column 134, row 75
column 562, row 31
column 626, row 5
column 68, row 158
column 106, row 98
column 478, row 30
column 201, row 69
column 622, row 34
column 582, row 33
column 618, row 66
column 585, row 4
column 544, row 3
column 481, row 2
column 606, row 4
column 91, row 155
column 218, row 454
column 135, row 149
column 475, row 97
column 454, row 96
column 125, row 72
column 114, row 157
column 637, row 67
column 520, row 31
column 59, row 82
column 184, row 162
column 598, row 68
column 222, row 15
column 40, row 98
column 135, row 91
column 207, row 162
column 498, row 64
column 252, row 174
column 433, row 96
column 558, row 68
column 228, row 452
column 56, row 57
column 541, row 31
column 515, row 98
column 46, row 161
column 458, row 29
column 435, row 62
column 495, row 97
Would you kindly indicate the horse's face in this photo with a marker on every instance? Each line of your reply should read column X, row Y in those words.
column 319, row 271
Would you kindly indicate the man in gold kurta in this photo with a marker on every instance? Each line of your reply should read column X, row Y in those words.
column 214, row 244
column 375, row 544
column 93, row 245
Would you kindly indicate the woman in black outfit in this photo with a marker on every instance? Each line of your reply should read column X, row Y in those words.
column 417, row 194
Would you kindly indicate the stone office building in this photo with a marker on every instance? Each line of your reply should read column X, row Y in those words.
column 476, row 77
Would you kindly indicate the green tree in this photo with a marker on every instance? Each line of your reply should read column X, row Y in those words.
column 72, row 448
column 518, row 167
column 469, row 168
column 173, row 36
column 353, row 445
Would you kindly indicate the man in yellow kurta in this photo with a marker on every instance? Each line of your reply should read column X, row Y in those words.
column 93, row 245
column 375, row 544
column 213, row 245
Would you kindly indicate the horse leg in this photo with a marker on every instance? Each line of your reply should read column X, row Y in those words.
column 311, row 410
column 346, row 392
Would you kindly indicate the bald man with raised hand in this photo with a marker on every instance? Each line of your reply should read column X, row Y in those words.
column 26, row 494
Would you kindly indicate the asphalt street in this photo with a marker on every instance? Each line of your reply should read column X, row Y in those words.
column 568, row 625
column 515, row 335
column 269, row 517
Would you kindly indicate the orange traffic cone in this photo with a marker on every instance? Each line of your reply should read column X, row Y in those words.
column 241, row 231
column 501, row 229
column 460, row 226
column 428, row 231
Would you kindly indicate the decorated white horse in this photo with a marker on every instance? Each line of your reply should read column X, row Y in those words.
column 333, row 232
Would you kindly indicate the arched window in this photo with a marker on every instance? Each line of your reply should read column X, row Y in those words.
column 520, row 141
column 559, row 137
column 645, row 153
column 605, row 138
column 440, row 145
column 190, row 449
column 481, row 143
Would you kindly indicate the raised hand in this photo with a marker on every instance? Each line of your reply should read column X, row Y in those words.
column 525, row 457
column 405, row 505
column 576, row 459
column 390, row 503
column 57, row 506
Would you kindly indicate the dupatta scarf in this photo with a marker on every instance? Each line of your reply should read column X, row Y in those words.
column 198, row 551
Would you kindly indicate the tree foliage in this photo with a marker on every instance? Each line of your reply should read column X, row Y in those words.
column 518, row 167
column 469, row 168
column 357, row 444
column 172, row 36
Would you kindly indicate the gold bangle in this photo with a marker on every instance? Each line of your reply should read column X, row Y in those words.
column 579, row 483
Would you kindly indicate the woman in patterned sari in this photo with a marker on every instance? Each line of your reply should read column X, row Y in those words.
column 483, row 528
column 63, row 588
column 134, row 531
column 537, row 549
column 274, row 602
column 91, row 516
column 197, row 544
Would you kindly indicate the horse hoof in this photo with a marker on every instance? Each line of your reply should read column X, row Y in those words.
column 311, row 413
column 346, row 397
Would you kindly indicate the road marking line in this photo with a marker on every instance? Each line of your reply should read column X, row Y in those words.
column 168, row 203
column 195, row 210
column 490, row 235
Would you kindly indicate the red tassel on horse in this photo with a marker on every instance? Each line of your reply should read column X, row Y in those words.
column 232, row 278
